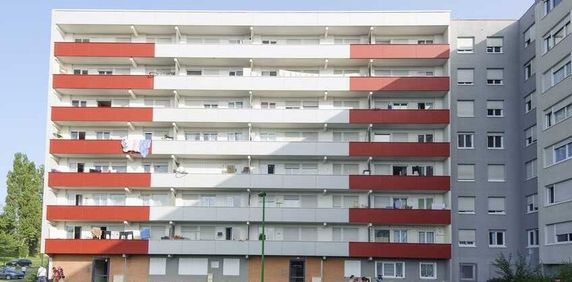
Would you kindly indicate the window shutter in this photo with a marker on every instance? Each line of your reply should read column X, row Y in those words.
column 465, row 108
column 467, row 235
column 466, row 203
column 495, row 104
column 563, row 228
column 494, row 41
column 496, row 204
column 466, row 172
column 496, row 172
column 465, row 75
column 157, row 266
column 352, row 267
column 495, row 74
column 465, row 43
column 231, row 267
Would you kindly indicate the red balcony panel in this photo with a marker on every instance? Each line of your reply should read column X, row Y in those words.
column 101, row 114
column 97, row 247
column 104, row 49
column 400, row 216
column 399, row 51
column 98, row 213
column 67, row 146
column 380, row 83
column 399, row 149
column 381, row 116
column 71, row 81
column 398, row 183
column 106, row 180
column 400, row 250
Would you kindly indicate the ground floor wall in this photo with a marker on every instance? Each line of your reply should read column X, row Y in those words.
column 243, row 268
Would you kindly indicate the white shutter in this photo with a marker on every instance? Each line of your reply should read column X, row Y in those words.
column 563, row 191
column 495, row 104
column 352, row 267
column 466, row 204
column 467, row 235
column 466, row 172
column 231, row 267
column 496, row 172
column 563, row 228
column 465, row 43
column 495, row 74
column 494, row 41
column 193, row 266
column 465, row 76
column 157, row 266
column 496, row 204
column 465, row 109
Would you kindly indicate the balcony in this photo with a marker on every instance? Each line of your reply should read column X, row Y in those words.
column 101, row 114
column 400, row 250
column 400, row 216
column 249, row 247
column 399, row 51
column 400, row 183
column 109, row 82
column 396, row 84
column 85, row 147
column 104, row 180
column 381, row 116
column 252, row 214
column 98, row 213
column 237, row 181
column 104, row 49
column 96, row 247
column 254, row 116
column 400, row 149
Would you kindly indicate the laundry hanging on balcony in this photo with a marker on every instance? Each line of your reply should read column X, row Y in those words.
column 136, row 146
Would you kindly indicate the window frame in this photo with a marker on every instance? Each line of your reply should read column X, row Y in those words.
column 464, row 136
column 433, row 264
column 394, row 263
column 493, row 241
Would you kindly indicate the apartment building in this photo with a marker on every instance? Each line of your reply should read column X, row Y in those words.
column 164, row 127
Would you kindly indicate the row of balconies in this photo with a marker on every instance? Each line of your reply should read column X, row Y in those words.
column 252, row 51
column 75, row 84
column 248, row 181
column 248, row 214
column 249, row 248
column 167, row 148
column 253, row 116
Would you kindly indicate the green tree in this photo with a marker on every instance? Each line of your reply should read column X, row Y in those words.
column 21, row 220
column 519, row 271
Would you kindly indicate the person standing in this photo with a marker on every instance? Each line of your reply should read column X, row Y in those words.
column 42, row 275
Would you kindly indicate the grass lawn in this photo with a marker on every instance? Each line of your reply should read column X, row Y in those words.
column 31, row 270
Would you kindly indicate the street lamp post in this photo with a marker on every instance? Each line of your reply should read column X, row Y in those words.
column 263, row 235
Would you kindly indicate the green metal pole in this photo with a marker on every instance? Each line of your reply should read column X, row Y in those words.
column 263, row 235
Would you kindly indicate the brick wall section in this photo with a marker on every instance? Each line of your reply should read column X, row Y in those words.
column 79, row 267
column 276, row 269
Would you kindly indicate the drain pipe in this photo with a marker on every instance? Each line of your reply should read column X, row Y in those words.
column 322, row 269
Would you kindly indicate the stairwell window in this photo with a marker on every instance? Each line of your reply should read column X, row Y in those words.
column 533, row 238
column 530, row 169
column 530, row 135
column 532, row 203
column 495, row 76
column 495, row 45
column 529, row 35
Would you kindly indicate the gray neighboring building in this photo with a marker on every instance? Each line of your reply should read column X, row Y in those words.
column 511, row 98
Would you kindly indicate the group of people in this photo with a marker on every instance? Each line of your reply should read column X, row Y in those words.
column 379, row 278
column 57, row 274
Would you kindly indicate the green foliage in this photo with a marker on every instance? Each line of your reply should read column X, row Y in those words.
column 565, row 272
column 20, row 223
column 519, row 271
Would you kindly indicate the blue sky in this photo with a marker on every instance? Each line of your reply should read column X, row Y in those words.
column 24, row 33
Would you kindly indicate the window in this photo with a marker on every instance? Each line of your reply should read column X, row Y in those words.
column 495, row 140
column 390, row 269
column 559, row 192
column 529, row 35
column 352, row 267
column 495, row 108
column 528, row 103
column 532, row 203
column 496, row 205
column 549, row 5
column 559, row 152
column 495, row 76
column 345, row 201
column 530, row 169
column 466, row 172
column 80, row 72
column 496, row 173
column 468, row 272
column 345, row 169
column 230, row 267
column 557, row 74
column 558, row 113
column 346, row 104
column 195, row 72
column 467, row 238
column 400, row 236
column 465, row 108
column 157, row 266
column 235, row 105
column 556, row 34
column 530, row 135
column 465, row 140
column 528, row 70
column 427, row 270
column 559, row 233
column 466, row 205
column 465, row 76
column 533, row 238
column 496, row 238
column 79, row 103
column 465, row 44
column 268, row 105
column 193, row 266
column 494, row 44
column 426, row 237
